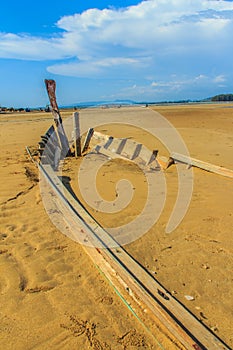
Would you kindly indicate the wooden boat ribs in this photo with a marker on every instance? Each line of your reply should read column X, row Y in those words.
column 127, row 276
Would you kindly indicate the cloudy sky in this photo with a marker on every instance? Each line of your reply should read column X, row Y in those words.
column 151, row 50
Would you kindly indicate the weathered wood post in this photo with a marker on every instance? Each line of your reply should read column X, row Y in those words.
column 88, row 139
column 64, row 143
column 77, row 137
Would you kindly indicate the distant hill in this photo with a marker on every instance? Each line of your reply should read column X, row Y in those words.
column 222, row 97
column 126, row 102
column 100, row 103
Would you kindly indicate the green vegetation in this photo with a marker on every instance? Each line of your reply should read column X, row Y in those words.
column 222, row 97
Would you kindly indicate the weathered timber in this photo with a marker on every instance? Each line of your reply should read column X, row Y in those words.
column 44, row 138
column 176, row 157
column 41, row 144
column 30, row 155
column 51, row 133
column 51, row 88
column 101, row 137
column 49, row 148
column 41, row 151
column 77, row 136
column 133, row 278
column 127, row 149
column 153, row 165
column 87, row 140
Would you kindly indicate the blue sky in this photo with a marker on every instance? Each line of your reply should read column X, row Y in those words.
column 149, row 50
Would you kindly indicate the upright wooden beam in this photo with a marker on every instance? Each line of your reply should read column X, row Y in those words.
column 77, row 137
column 51, row 88
column 88, row 139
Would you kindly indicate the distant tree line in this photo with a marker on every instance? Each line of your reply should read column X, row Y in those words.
column 12, row 109
column 222, row 97
column 27, row 109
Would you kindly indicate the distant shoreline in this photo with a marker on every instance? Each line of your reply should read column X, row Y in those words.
column 6, row 110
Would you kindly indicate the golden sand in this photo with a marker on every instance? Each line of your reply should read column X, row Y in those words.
column 52, row 295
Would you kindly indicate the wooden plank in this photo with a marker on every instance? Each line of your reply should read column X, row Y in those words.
column 115, row 146
column 144, row 288
column 131, row 149
column 41, row 144
column 50, row 152
column 106, row 152
column 77, row 136
column 101, row 137
column 52, row 137
column 88, row 139
column 120, row 287
column 202, row 165
column 50, row 131
column 49, row 148
column 52, row 146
column 44, row 138
column 145, row 154
column 126, row 149
column 137, row 150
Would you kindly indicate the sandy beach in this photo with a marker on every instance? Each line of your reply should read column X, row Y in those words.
column 53, row 296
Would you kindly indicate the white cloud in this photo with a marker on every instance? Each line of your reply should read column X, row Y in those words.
column 152, row 24
column 171, row 89
column 27, row 47
column 187, row 84
column 219, row 79
column 200, row 77
column 108, row 67
column 153, row 38
column 174, row 83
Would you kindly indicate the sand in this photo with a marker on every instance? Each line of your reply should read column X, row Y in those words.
column 52, row 295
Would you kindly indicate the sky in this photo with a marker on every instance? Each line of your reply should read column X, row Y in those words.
column 153, row 50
